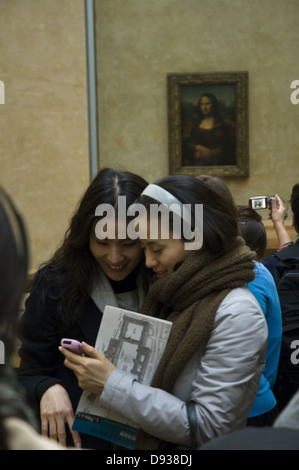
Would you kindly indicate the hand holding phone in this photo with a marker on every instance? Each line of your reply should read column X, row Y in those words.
column 73, row 345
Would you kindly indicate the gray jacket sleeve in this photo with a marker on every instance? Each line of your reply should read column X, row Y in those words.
column 223, row 382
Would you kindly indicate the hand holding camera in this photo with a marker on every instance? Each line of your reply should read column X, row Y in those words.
column 274, row 204
column 277, row 210
column 260, row 202
column 277, row 214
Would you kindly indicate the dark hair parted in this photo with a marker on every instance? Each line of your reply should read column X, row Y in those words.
column 220, row 226
column 72, row 268
column 253, row 230
column 295, row 205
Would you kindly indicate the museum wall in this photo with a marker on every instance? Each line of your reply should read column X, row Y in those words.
column 43, row 124
column 44, row 162
column 139, row 43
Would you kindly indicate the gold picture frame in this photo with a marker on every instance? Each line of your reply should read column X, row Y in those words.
column 208, row 124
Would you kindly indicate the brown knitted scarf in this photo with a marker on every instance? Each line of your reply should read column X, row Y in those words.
column 189, row 298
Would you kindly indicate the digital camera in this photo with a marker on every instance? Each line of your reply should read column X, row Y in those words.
column 260, row 202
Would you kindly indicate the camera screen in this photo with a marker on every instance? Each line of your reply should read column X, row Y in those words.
column 258, row 202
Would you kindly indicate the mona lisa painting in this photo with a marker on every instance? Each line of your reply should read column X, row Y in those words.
column 208, row 124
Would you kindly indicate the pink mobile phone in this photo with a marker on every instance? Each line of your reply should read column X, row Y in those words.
column 73, row 345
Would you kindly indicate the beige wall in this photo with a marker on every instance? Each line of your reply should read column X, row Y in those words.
column 43, row 123
column 139, row 42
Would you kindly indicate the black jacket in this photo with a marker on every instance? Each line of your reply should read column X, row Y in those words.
column 41, row 363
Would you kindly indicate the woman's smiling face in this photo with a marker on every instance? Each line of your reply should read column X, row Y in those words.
column 116, row 257
column 163, row 255
column 163, row 250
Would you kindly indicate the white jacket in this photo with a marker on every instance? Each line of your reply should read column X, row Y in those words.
column 223, row 382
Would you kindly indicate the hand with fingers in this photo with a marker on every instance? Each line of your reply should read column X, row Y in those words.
column 277, row 215
column 92, row 370
column 56, row 412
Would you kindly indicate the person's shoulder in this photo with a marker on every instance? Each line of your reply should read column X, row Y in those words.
column 240, row 315
column 262, row 272
column 22, row 436
column 46, row 283
column 270, row 263
column 254, row 438
column 239, row 294
column 48, row 274
column 238, row 305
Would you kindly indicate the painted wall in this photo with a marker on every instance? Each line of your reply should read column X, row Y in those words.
column 43, row 124
column 139, row 42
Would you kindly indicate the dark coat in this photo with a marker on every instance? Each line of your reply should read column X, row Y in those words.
column 41, row 363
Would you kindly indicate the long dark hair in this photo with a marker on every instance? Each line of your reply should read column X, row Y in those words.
column 13, row 272
column 220, row 226
column 72, row 268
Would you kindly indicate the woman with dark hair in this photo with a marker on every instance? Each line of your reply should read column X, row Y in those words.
column 68, row 297
column 17, row 431
column 216, row 350
column 253, row 230
column 211, row 140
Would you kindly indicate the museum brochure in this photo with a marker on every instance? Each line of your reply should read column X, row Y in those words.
column 134, row 343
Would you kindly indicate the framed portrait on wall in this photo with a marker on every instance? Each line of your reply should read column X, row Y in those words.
column 208, row 124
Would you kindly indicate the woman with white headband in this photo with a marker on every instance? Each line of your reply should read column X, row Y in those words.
column 215, row 354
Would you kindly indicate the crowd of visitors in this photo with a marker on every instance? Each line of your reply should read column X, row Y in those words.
column 222, row 380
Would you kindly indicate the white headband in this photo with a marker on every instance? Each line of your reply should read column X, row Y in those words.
column 169, row 200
